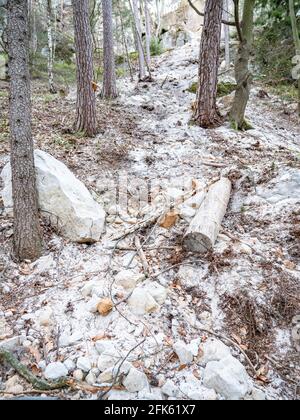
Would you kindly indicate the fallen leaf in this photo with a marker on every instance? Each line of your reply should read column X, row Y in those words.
column 196, row 373
column 181, row 367
column 289, row 265
column 35, row 353
column 169, row 220
column 105, row 306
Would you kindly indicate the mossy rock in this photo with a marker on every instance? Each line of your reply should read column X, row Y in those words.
column 224, row 88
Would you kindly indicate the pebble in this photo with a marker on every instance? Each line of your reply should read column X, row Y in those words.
column 84, row 364
column 55, row 371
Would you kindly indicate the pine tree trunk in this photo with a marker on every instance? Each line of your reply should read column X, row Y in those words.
column 50, row 47
column 86, row 99
column 207, row 114
column 138, row 30
column 27, row 233
column 296, row 41
column 243, row 74
column 227, row 35
column 109, row 90
column 148, row 32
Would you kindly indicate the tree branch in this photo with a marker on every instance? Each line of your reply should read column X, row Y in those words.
column 237, row 20
column 225, row 22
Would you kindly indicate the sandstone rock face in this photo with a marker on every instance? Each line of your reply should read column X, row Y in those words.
column 63, row 198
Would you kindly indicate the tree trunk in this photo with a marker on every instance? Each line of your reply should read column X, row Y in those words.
column 227, row 35
column 207, row 114
column 242, row 72
column 50, row 47
column 109, row 90
column 138, row 30
column 297, row 46
column 27, row 233
column 148, row 32
column 86, row 99
column 125, row 43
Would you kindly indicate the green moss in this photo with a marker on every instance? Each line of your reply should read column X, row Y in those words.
column 286, row 91
column 224, row 88
column 134, row 56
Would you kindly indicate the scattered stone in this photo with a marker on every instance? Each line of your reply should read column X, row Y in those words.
column 55, row 371
column 90, row 379
column 70, row 365
column 84, row 364
column 44, row 264
column 45, row 317
column 258, row 395
column 106, row 347
column 105, row 306
column 105, row 362
column 128, row 279
column 184, row 352
column 170, row 389
column 158, row 292
column 135, row 380
column 78, row 375
column 66, row 340
column 92, row 305
column 120, row 395
column 228, row 377
column 154, row 394
column 66, row 201
column 13, row 385
column 142, row 302
column 11, row 343
column 213, row 350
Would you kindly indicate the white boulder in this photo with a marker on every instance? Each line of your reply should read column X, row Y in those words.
column 63, row 198
column 128, row 279
column 135, row 380
column 184, row 352
column 142, row 302
column 55, row 371
column 228, row 377
column 84, row 364
column 213, row 350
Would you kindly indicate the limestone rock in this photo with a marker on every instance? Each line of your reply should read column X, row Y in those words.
column 228, row 377
column 64, row 199
column 135, row 380
column 55, row 371
column 142, row 302
column 84, row 364
column 128, row 279
column 213, row 350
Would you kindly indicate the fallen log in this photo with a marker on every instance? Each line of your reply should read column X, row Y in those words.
column 204, row 228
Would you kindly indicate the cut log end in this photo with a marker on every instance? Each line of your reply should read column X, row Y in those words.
column 197, row 242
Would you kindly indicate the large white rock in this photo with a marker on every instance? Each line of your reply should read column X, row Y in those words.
column 184, row 352
column 55, row 371
column 63, row 198
column 213, row 350
column 135, row 380
column 142, row 302
column 228, row 377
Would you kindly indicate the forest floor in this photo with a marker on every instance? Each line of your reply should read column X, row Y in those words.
column 247, row 289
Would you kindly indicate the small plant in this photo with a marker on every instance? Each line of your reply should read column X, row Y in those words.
column 156, row 47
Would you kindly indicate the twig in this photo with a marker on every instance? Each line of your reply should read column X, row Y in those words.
column 119, row 369
column 141, row 255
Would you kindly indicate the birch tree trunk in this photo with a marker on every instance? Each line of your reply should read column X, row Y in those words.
column 109, row 90
column 148, row 32
column 297, row 44
column 207, row 114
column 243, row 74
column 27, row 234
column 50, row 47
column 138, row 30
column 86, row 100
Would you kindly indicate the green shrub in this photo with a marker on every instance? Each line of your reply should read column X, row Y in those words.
column 156, row 47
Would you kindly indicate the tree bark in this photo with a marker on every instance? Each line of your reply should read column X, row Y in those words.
column 86, row 99
column 27, row 234
column 243, row 74
column 138, row 30
column 207, row 114
column 297, row 43
column 50, row 47
column 148, row 32
column 109, row 90
column 227, row 35
column 204, row 228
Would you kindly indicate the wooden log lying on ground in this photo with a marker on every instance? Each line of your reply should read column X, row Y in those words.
column 204, row 228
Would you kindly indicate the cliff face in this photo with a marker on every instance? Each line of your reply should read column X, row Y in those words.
column 181, row 16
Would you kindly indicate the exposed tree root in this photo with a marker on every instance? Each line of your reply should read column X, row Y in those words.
column 37, row 383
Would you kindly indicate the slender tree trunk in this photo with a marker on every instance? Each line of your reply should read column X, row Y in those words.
column 86, row 99
column 50, row 47
column 206, row 113
column 297, row 44
column 243, row 74
column 159, row 7
column 109, row 90
column 148, row 32
column 227, row 35
column 125, row 43
column 138, row 30
column 27, row 233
